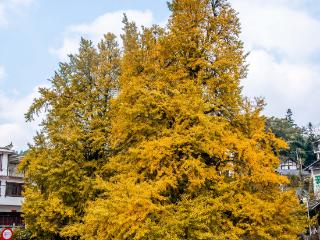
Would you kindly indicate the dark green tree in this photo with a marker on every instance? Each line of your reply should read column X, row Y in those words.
column 311, row 137
column 289, row 116
column 300, row 140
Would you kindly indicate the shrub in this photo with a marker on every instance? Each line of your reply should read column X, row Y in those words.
column 22, row 234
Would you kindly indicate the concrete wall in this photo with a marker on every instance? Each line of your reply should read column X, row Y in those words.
column 8, row 204
column 10, row 208
column 11, row 201
column 4, row 169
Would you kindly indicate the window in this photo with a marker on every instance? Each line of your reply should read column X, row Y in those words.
column 289, row 165
column 14, row 189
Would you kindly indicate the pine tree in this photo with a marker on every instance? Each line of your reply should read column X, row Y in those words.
column 310, row 144
column 299, row 139
column 191, row 157
column 289, row 116
column 61, row 166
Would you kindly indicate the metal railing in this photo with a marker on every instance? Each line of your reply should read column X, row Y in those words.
column 14, row 173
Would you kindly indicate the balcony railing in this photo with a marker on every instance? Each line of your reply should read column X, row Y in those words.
column 15, row 173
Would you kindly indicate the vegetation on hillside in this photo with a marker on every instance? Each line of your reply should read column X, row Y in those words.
column 300, row 140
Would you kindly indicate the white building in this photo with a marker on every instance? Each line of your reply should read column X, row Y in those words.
column 316, row 149
column 314, row 170
column 289, row 166
column 11, row 183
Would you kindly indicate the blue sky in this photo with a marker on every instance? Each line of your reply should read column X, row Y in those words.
column 39, row 25
column 281, row 35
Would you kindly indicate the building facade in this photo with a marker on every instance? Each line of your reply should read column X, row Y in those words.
column 316, row 149
column 11, row 184
column 289, row 166
column 314, row 172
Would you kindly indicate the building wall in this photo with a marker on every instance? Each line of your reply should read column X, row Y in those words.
column 315, row 176
column 9, row 203
column 4, row 164
column 10, row 208
column 10, row 197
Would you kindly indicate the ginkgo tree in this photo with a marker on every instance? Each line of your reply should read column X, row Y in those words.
column 179, row 152
column 60, row 167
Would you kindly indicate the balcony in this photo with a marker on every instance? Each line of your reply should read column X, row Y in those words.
column 10, row 201
column 13, row 172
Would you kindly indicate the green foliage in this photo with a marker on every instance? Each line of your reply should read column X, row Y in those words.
column 309, row 146
column 295, row 181
column 299, row 139
column 22, row 234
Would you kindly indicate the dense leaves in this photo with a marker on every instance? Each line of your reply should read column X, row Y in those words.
column 300, row 140
column 158, row 143
column 60, row 167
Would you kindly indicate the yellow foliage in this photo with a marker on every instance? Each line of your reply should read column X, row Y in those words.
column 60, row 168
column 186, row 156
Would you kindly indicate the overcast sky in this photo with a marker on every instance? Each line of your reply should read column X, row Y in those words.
column 282, row 37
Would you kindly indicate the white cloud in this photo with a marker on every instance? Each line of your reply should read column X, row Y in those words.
column 13, row 127
column 284, row 85
column 108, row 22
column 70, row 45
column 277, row 27
column 21, row 2
column 8, row 7
column 282, row 37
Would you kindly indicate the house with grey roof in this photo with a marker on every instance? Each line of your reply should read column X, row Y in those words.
column 11, row 183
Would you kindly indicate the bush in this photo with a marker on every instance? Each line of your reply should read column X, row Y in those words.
column 21, row 234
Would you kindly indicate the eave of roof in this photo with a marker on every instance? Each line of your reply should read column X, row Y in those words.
column 308, row 167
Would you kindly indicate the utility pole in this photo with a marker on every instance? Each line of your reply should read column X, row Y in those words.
column 302, row 188
column 300, row 164
column 308, row 216
column 300, row 170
